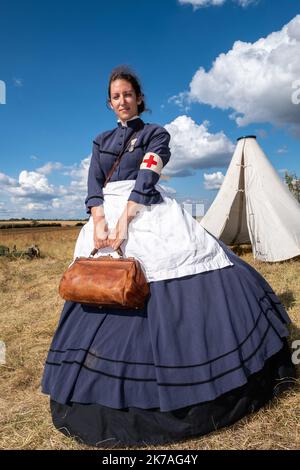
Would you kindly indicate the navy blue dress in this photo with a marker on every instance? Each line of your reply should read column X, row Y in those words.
column 206, row 350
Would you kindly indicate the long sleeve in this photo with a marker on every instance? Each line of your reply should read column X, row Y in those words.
column 157, row 155
column 95, row 181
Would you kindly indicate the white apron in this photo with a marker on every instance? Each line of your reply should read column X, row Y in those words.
column 166, row 240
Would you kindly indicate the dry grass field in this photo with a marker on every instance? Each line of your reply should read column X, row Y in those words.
column 30, row 308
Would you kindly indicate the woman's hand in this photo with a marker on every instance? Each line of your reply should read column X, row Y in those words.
column 120, row 232
column 100, row 227
column 100, row 234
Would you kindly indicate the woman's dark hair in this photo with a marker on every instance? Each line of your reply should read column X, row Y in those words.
column 123, row 72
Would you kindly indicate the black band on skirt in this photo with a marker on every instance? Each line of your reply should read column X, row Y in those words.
column 106, row 427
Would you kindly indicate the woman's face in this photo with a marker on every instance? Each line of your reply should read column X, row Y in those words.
column 123, row 99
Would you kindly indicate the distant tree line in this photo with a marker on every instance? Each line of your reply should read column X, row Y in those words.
column 27, row 225
column 15, row 219
column 34, row 223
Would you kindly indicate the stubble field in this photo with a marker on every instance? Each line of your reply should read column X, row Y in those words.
column 29, row 311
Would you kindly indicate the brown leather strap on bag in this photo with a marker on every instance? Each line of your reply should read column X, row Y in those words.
column 115, row 165
column 117, row 162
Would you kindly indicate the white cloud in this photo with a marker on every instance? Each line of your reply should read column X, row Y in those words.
column 207, row 3
column 255, row 80
column 213, row 180
column 202, row 3
column 194, row 147
column 79, row 174
column 18, row 82
column 49, row 167
column 56, row 203
column 35, row 206
column 6, row 180
column 262, row 133
column 32, row 184
column 246, row 3
column 282, row 149
column 32, row 192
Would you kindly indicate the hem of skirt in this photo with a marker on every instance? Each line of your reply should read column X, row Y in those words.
column 175, row 407
column 244, row 401
column 105, row 444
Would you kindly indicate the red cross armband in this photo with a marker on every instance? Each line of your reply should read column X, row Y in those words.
column 157, row 154
column 153, row 162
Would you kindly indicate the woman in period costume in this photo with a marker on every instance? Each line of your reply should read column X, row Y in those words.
column 210, row 345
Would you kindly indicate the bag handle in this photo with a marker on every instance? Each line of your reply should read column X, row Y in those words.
column 94, row 251
column 117, row 162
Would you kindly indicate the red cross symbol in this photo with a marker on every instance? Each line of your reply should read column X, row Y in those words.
column 150, row 161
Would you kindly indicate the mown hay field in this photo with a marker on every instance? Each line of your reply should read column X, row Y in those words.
column 29, row 311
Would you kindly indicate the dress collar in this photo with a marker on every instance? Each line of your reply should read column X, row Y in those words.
column 135, row 123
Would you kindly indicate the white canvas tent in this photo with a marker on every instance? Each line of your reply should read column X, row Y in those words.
column 254, row 206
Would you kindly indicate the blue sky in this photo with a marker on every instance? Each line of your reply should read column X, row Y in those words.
column 210, row 73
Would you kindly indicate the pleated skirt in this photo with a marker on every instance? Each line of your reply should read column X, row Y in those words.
column 206, row 350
